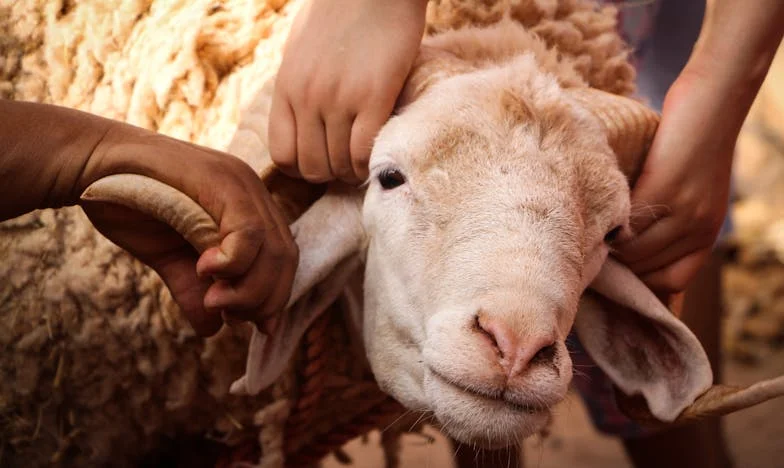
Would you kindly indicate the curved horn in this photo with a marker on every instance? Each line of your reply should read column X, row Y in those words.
column 160, row 201
column 630, row 126
column 169, row 205
column 717, row 401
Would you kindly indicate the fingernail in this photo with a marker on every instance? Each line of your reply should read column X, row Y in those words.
column 211, row 301
column 221, row 258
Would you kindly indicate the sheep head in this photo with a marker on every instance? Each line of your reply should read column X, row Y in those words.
column 501, row 189
column 494, row 196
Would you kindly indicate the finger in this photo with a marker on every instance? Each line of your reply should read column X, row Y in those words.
column 282, row 135
column 179, row 273
column 363, row 134
column 676, row 277
column 671, row 252
column 650, row 242
column 312, row 157
column 281, row 291
column 235, row 254
column 338, row 140
column 245, row 296
column 645, row 214
column 287, row 257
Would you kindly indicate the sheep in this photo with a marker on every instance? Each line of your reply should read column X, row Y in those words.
column 99, row 366
column 484, row 235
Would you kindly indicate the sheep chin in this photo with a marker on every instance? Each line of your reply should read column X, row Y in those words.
column 479, row 421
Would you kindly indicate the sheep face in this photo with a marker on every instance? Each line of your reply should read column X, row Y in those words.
column 489, row 201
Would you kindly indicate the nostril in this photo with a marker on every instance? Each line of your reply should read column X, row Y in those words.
column 489, row 334
column 545, row 355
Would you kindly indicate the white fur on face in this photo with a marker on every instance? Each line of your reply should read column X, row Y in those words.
column 499, row 217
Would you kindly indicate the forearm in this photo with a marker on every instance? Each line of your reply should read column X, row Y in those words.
column 43, row 152
column 736, row 46
column 737, row 43
column 50, row 154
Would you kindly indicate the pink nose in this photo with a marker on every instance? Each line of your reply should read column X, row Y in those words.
column 516, row 352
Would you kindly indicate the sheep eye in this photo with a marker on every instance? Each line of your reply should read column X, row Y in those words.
column 612, row 235
column 391, row 178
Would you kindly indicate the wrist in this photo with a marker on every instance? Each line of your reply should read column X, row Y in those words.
column 738, row 42
column 45, row 148
column 740, row 79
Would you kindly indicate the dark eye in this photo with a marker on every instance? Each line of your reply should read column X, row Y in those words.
column 391, row 178
column 612, row 235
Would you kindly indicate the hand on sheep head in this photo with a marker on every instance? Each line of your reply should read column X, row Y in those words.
column 53, row 154
column 344, row 65
column 680, row 199
column 682, row 195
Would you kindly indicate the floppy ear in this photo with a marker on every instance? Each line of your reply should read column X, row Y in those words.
column 624, row 327
column 639, row 344
column 651, row 356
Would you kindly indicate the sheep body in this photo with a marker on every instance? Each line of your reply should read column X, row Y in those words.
column 99, row 366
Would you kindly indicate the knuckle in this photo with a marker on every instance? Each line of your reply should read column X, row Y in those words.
column 284, row 160
column 360, row 160
column 318, row 93
column 707, row 212
column 316, row 177
column 253, row 233
column 341, row 168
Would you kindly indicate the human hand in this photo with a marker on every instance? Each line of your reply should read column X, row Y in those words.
column 248, row 276
column 681, row 197
column 344, row 65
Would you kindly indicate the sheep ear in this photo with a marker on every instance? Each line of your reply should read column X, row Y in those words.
column 329, row 235
column 639, row 344
column 652, row 357
column 630, row 126
column 431, row 65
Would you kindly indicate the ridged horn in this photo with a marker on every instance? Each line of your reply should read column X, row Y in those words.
column 160, row 201
column 169, row 205
column 630, row 126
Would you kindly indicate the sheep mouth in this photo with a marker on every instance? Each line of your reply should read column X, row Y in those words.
column 493, row 397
